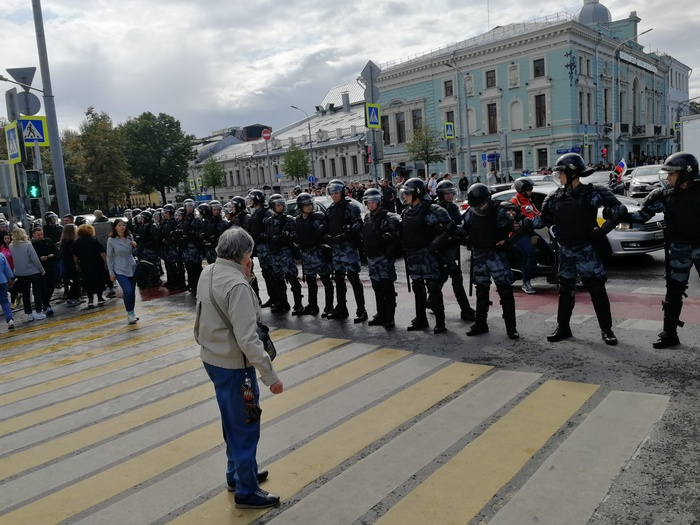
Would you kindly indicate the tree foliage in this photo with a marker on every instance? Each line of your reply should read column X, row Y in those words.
column 213, row 174
column 96, row 158
column 425, row 146
column 295, row 163
column 158, row 152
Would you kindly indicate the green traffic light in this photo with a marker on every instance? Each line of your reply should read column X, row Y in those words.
column 34, row 192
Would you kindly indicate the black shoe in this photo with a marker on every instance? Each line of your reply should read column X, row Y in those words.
column 439, row 330
column 389, row 325
column 267, row 304
column 418, row 324
column 468, row 315
column 338, row 313
column 280, row 308
column 326, row 313
column 609, row 337
column 666, row 340
column 376, row 321
column 262, row 476
column 513, row 333
column 478, row 329
column 298, row 310
column 361, row 317
column 310, row 310
column 259, row 499
column 562, row 332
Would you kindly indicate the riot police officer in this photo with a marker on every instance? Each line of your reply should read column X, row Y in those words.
column 310, row 228
column 489, row 226
column 450, row 249
column 344, row 227
column 381, row 243
column 190, row 244
column 173, row 264
column 279, row 229
column 679, row 200
column 212, row 228
column 52, row 230
column 255, row 200
column 148, row 240
column 422, row 223
column 573, row 211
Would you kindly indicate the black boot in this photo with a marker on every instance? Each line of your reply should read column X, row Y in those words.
column 389, row 293
column 296, row 293
column 672, row 307
column 328, row 294
column 420, row 321
column 567, row 299
column 467, row 313
column 279, row 296
column 435, row 292
column 359, row 293
column 312, row 307
column 601, row 305
column 269, row 279
column 482, row 311
column 508, row 306
column 378, row 319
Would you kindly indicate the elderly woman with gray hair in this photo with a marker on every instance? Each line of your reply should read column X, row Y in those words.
column 226, row 329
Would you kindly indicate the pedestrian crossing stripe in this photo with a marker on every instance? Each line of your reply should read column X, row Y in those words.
column 434, row 429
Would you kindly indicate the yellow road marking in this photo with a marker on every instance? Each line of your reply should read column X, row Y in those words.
column 43, row 453
column 85, row 339
column 59, row 321
column 457, row 491
column 88, row 492
column 310, row 461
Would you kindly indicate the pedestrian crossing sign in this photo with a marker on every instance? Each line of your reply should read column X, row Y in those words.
column 372, row 120
column 34, row 130
column 449, row 130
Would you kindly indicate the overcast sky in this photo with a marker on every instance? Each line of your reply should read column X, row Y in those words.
column 218, row 63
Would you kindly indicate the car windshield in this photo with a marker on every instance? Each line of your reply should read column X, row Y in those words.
column 647, row 170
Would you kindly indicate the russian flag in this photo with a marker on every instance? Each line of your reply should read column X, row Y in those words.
column 621, row 167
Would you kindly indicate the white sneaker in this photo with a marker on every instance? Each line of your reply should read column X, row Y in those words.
column 11, row 324
column 131, row 316
column 40, row 316
column 30, row 318
column 527, row 287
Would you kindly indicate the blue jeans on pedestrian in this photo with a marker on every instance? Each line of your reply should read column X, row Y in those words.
column 5, row 301
column 528, row 253
column 128, row 286
column 241, row 438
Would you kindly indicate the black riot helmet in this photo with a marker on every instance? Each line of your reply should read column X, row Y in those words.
column 522, row 185
column 238, row 204
column 372, row 195
column 214, row 205
column 169, row 208
column 336, row 186
column 146, row 216
column 255, row 197
column 188, row 203
column 275, row 200
column 414, row 187
column 181, row 212
column 479, row 198
column 204, row 210
column 573, row 165
column 445, row 187
column 303, row 199
column 683, row 163
column 79, row 220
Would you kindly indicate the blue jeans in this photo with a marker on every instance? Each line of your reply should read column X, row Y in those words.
column 241, row 438
column 128, row 287
column 5, row 302
column 528, row 253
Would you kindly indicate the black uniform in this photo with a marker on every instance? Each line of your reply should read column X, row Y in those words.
column 309, row 232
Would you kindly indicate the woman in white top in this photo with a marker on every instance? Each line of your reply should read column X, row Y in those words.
column 122, row 265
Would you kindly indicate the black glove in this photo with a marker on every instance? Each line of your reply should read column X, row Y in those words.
column 527, row 225
column 387, row 237
column 339, row 239
column 597, row 235
column 263, row 237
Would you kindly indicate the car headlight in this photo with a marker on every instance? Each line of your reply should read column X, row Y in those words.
column 624, row 226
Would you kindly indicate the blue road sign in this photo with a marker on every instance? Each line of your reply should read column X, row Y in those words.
column 35, row 130
column 483, row 157
column 493, row 156
column 312, row 179
column 449, row 130
column 278, row 176
column 372, row 116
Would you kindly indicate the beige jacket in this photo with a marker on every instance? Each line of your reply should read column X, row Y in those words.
column 220, row 346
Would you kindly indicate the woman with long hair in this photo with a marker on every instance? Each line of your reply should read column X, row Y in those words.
column 90, row 260
column 5, row 250
column 121, row 265
column 71, row 276
column 28, row 270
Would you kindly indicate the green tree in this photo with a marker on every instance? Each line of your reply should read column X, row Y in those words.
column 213, row 174
column 3, row 142
column 295, row 163
column 158, row 152
column 425, row 146
column 98, row 161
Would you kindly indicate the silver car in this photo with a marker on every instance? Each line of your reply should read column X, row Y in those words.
column 625, row 239
column 643, row 180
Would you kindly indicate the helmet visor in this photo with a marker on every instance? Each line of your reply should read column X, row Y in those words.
column 482, row 209
column 334, row 188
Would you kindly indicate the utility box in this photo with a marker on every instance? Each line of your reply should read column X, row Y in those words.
column 690, row 134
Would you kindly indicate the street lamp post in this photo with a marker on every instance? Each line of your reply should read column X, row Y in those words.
column 468, row 170
column 616, row 87
column 311, row 147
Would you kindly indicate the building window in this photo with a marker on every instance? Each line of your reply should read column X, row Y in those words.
column 238, row 177
column 323, row 168
column 606, row 106
column 453, row 165
column 344, row 166
column 518, row 160
column 385, row 130
column 333, row 170
column 589, row 107
column 493, row 118
column 542, row 159
column 580, row 108
column 450, row 116
column 491, row 78
column 449, row 90
column 354, row 165
column 417, row 118
column 400, row 128
column 538, row 68
column 588, row 67
column 540, row 111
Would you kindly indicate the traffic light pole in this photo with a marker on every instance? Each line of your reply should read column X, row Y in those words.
column 21, row 175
